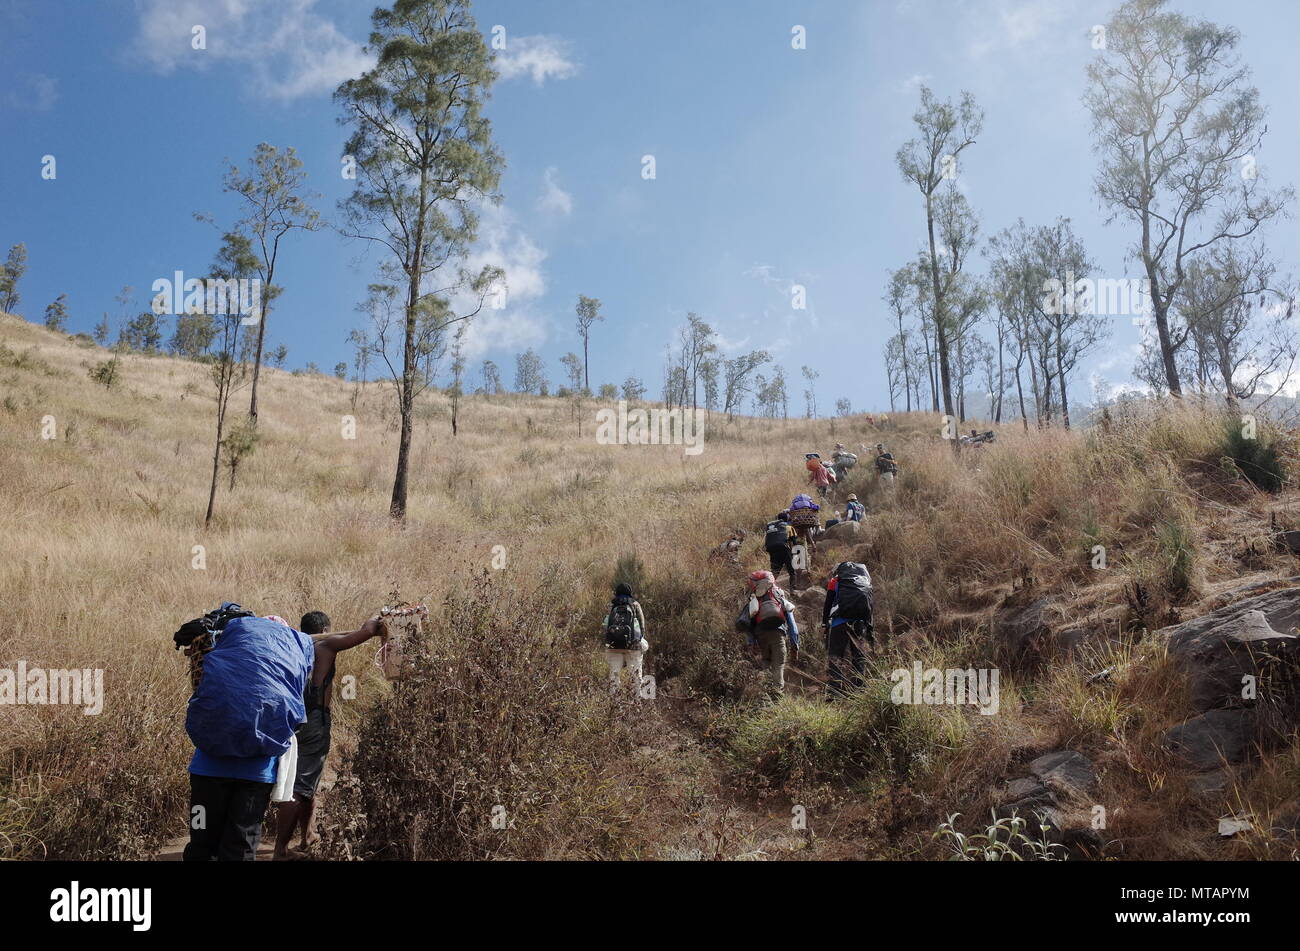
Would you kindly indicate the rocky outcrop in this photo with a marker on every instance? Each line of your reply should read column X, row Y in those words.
column 1028, row 633
column 1213, row 740
column 843, row 533
column 1241, row 653
column 1065, row 772
column 1242, row 663
column 1057, row 782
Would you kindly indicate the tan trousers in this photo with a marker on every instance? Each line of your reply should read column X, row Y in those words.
column 772, row 649
column 620, row 660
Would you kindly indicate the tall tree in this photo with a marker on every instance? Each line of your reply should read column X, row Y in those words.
column 1239, row 322
column 423, row 154
column 1070, row 325
column 1014, row 294
column 899, row 298
column 810, row 394
column 235, row 261
column 927, row 161
column 275, row 203
column 530, row 373
column 736, row 379
column 588, row 311
column 491, row 378
column 1177, row 127
column 457, row 389
column 699, row 344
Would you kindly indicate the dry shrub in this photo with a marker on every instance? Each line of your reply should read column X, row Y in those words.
column 499, row 718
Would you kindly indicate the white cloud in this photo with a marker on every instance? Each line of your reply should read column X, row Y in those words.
column 511, row 322
column 554, row 198
column 32, row 92
column 1010, row 24
column 286, row 49
column 541, row 57
column 913, row 83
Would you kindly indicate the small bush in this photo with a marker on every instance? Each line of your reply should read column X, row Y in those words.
column 1254, row 457
column 106, row 373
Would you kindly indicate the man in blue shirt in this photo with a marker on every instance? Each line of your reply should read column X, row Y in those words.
column 854, row 510
column 266, row 666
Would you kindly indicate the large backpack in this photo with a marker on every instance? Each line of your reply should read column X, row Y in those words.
column 250, row 698
column 621, row 633
column 778, row 535
column 770, row 615
column 210, row 625
column 853, row 600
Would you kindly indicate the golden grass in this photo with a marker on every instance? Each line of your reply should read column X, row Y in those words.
column 100, row 524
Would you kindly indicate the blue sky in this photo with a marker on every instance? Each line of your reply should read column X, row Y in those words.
column 774, row 166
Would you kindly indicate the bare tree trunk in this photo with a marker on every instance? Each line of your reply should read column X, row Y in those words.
column 216, row 459
column 1020, row 392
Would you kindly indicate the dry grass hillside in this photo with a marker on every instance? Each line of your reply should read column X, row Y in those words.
column 509, row 711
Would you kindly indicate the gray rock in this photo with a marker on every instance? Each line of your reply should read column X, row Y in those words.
column 1213, row 739
column 1023, row 631
column 1281, row 610
column 1246, row 638
column 809, row 603
column 1026, row 792
column 1288, row 541
column 845, row 532
column 1065, row 771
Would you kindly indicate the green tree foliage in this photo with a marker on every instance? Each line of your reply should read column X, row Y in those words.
column 11, row 272
column 588, row 311
column 423, row 153
column 194, row 335
column 143, row 332
column 56, row 314
column 276, row 202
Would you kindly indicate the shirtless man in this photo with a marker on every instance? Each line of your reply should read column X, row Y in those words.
column 314, row 734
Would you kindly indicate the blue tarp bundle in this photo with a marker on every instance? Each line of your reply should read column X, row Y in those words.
column 250, row 698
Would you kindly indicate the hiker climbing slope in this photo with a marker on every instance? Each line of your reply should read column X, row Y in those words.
column 314, row 735
column 847, row 621
column 805, row 520
column 778, row 539
column 242, row 719
column 768, row 619
column 842, row 461
column 821, row 477
column 625, row 643
column 886, row 466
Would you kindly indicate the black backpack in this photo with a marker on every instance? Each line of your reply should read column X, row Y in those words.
column 620, row 631
column 210, row 624
column 853, row 601
column 778, row 535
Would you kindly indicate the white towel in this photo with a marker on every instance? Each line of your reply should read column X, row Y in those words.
column 287, row 772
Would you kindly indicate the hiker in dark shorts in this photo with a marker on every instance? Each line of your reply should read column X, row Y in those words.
column 314, row 734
